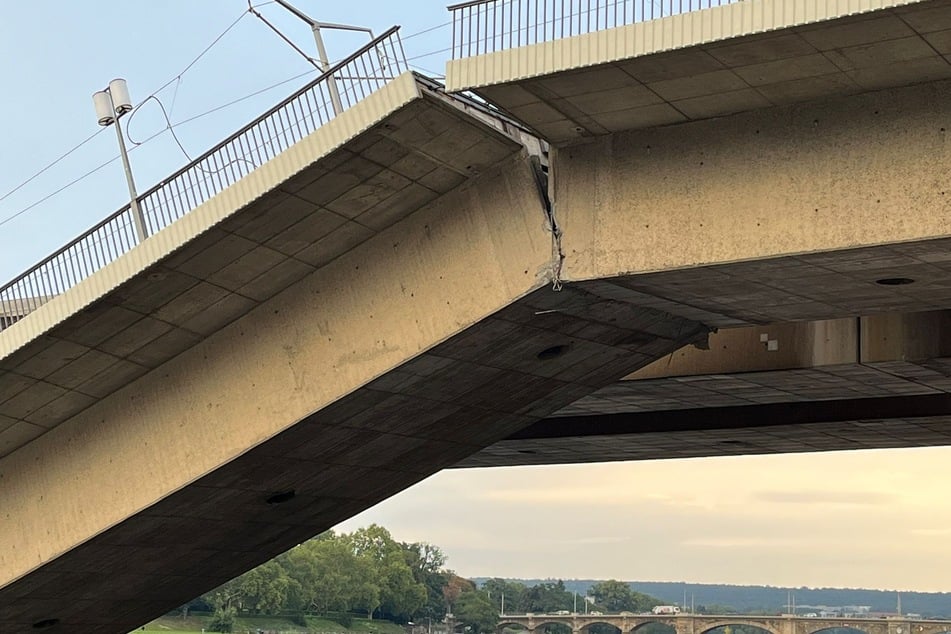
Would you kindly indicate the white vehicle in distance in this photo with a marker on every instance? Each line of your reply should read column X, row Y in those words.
column 665, row 609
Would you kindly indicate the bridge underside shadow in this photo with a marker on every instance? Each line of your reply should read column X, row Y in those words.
column 273, row 404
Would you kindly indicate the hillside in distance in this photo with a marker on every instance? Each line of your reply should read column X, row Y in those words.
column 772, row 599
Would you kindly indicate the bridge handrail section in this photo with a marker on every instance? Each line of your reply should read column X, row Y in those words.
column 487, row 26
column 354, row 78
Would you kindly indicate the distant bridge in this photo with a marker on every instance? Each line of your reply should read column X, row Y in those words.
column 699, row 624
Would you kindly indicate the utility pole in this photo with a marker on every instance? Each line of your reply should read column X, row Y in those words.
column 315, row 27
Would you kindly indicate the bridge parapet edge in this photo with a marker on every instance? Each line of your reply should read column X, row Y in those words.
column 698, row 624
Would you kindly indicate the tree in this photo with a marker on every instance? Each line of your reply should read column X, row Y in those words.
column 400, row 595
column 614, row 596
column 225, row 597
column 426, row 562
column 263, row 590
column 617, row 596
column 327, row 573
column 475, row 611
column 513, row 592
column 223, row 620
column 550, row 596
column 454, row 588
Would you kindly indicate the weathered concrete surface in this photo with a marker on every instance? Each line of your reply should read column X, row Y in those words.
column 365, row 376
column 862, row 383
column 399, row 149
column 700, row 64
column 855, row 171
column 762, row 348
column 466, row 256
column 872, row 340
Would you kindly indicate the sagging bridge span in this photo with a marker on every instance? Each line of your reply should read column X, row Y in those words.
column 332, row 306
column 699, row 624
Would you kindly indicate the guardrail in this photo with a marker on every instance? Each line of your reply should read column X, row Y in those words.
column 487, row 26
column 352, row 79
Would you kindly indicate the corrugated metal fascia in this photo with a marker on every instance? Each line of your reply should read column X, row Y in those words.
column 320, row 143
column 645, row 38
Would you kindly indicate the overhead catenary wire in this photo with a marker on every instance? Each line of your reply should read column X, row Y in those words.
column 69, row 184
column 286, row 39
column 429, row 30
column 150, row 138
column 177, row 79
column 52, row 164
column 47, row 167
column 430, row 54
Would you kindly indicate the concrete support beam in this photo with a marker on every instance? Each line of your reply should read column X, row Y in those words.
column 461, row 258
column 412, row 351
column 850, row 172
column 876, row 339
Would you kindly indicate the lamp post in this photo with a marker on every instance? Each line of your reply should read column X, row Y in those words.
column 111, row 104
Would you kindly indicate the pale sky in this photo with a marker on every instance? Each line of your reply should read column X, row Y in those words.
column 866, row 519
column 874, row 519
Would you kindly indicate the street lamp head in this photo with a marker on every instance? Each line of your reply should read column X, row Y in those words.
column 104, row 112
column 121, row 100
column 112, row 103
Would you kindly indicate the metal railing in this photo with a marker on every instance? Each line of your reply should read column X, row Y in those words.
column 354, row 78
column 487, row 26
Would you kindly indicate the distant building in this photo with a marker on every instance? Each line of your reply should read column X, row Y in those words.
column 12, row 311
column 8, row 315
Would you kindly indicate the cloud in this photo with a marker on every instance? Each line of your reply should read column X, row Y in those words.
column 850, row 498
column 860, row 519
column 589, row 541
column 744, row 543
column 931, row 532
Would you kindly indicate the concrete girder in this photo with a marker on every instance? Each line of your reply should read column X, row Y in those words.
column 400, row 357
column 707, row 63
column 858, row 171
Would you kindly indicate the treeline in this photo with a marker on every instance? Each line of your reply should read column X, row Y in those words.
column 366, row 572
column 553, row 595
column 370, row 574
column 749, row 599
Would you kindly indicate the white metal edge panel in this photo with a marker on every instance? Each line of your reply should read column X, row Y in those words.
column 321, row 142
column 645, row 38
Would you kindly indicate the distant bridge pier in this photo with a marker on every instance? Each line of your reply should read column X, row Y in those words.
column 704, row 623
column 684, row 626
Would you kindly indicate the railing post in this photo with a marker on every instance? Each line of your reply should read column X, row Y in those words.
column 219, row 168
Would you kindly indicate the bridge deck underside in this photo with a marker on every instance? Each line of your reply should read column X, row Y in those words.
column 848, row 55
column 876, row 403
column 114, row 426
column 430, row 413
column 343, row 199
